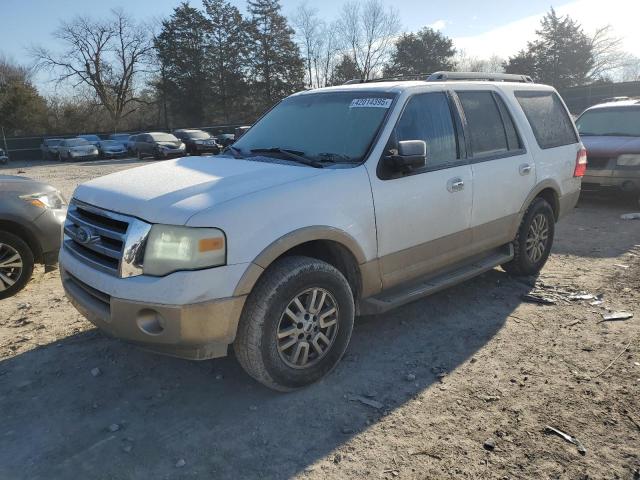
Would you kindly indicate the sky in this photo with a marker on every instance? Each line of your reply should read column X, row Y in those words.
column 500, row 28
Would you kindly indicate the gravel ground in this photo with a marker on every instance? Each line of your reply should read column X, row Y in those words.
column 458, row 385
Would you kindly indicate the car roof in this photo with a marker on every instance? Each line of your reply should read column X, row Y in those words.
column 616, row 104
column 400, row 86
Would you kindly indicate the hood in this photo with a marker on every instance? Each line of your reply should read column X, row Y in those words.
column 169, row 144
column 606, row 146
column 172, row 191
column 22, row 185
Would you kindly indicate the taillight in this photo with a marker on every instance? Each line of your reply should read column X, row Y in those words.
column 581, row 163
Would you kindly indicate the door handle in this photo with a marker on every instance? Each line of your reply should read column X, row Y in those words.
column 455, row 185
column 525, row 169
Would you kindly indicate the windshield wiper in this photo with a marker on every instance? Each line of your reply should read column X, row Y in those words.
column 291, row 154
column 330, row 157
column 235, row 151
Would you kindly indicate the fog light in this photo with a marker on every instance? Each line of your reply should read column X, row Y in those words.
column 150, row 322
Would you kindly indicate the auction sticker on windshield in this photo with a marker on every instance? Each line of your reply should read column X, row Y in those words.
column 371, row 103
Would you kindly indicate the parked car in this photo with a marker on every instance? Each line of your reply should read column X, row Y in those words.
column 131, row 144
column 158, row 145
column 226, row 139
column 49, row 148
column 121, row 138
column 31, row 219
column 111, row 149
column 340, row 201
column 197, row 142
column 4, row 158
column 240, row 131
column 611, row 134
column 92, row 139
column 77, row 149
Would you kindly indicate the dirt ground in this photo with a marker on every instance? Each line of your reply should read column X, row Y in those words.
column 443, row 380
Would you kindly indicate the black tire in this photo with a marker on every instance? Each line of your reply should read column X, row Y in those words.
column 256, row 344
column 527, row 262
column 26, row 256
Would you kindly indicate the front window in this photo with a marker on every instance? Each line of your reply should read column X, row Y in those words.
column 617, row 121
column 163, row 137
column 319, row 126
column 110, row 143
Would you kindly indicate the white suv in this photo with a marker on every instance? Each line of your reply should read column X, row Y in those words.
column 338, row 202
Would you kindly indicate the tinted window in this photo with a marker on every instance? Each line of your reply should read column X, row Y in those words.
column 76, row 142
column 486, row 130
column 615, row 121
column 548, row 118
column 428, row 117
column 513, row 139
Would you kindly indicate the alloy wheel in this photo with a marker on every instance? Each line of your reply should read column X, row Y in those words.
column 307, row 328
column 10, row 266
column 537, row 238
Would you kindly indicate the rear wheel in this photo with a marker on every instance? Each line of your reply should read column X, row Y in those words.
column 296, row 324
column 16, row 264
column 533, row 243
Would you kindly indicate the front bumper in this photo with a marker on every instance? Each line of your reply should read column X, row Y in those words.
column 197, row 331
column 47, row 229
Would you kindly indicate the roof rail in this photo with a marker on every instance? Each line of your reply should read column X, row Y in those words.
column 397, row 78
column 491, row 77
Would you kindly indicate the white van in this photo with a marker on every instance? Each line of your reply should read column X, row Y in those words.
column 338, row 202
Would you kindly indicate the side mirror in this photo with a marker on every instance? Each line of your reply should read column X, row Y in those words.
column 412, row 154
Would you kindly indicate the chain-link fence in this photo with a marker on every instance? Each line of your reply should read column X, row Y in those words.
column 580, row 98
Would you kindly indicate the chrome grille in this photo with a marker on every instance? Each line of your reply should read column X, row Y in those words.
column 105, row 240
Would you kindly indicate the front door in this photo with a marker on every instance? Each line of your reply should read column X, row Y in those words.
column 423, row 218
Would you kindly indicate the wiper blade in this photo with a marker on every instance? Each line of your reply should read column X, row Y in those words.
column 336, row 158
column 235, row 151
column 291, row 154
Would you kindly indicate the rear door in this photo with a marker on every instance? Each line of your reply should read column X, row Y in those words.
column 503, row 170
column 423, row 217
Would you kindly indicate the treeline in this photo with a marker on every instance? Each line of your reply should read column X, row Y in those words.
column 216, row 65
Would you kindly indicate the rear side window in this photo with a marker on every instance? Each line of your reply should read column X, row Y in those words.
column 490, row 126
column 428, row 117
column 548, row 118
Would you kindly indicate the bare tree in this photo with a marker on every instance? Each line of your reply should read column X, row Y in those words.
column 368, row 31
column 466, row 63
column 309, row 29
column 608, row 55
column 631, row 71
column 106, row 56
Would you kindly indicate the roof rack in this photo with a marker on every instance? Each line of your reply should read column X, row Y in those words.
column 448, row 76
column 491, row 77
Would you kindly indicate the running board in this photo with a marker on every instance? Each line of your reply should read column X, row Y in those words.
column 425, row 286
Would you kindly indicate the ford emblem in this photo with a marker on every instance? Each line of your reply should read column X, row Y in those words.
column 84, row 235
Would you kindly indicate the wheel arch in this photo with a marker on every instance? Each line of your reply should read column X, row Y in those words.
column 25, row 234
column 325, row 243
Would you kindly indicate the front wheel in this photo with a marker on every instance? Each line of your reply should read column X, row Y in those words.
column 533, row 243
column 296, row 324
column 16, row 264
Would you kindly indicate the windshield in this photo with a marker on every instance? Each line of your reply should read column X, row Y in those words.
column 164, row 137
column 197, row 135
column 76, row 142
column 52, row 142
column 342, row 124
column 91, row 138
column 617, row 121
column 119, row 137
column 110, row 143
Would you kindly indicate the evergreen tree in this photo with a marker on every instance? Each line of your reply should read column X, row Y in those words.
column 561, row 56
column 22, row 109
column 345, row 70
column 277, row 69
column 227, row 51
column 185, row 69
column 427, row 51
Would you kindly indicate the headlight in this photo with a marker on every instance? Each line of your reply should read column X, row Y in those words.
column 170, row 248
column 629, row 160
column 53, row 200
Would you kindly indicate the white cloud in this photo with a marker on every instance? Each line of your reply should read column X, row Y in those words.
column 439, row 25
column 506, row 40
